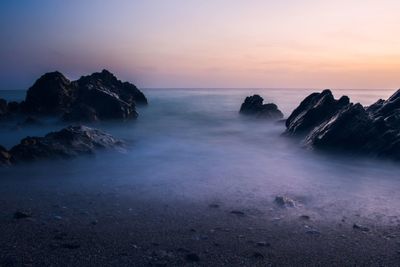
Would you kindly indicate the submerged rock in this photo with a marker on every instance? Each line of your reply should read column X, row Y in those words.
column 97, row 96
column 253, row 105
column 67, row 143
column 326, row 123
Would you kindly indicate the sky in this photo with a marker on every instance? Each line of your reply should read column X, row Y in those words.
column 204, row 43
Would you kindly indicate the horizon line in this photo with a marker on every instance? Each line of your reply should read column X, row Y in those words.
column 242, row 88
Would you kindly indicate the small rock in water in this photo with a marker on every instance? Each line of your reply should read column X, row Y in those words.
column 238, row 212
column 360, row 227
column 22, row 214
column 284, row 201
column 214, row 206
column 192, row 257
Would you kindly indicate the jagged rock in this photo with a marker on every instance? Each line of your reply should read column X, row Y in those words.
column 106, row 81
column 350, row 128
column 253, row 105
column 314, row 110
column 67, row 143
column 340, row 125
column 51, row 94
column 97, row 96
column 4, row 156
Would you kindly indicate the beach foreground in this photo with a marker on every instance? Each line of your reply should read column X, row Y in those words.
column 113, row 227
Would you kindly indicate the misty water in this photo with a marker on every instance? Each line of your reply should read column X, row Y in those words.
column 192, row 146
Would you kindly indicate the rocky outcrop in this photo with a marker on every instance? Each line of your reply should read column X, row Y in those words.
column 253, row 106
column 98, row 96
column 313, row 110
column 67, row 143
column 326, row 123
column 51, row 94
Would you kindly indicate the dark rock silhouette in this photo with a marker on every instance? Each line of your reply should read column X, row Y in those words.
column 253, row 105
column 67, row 143
column 51, row 94
column 94, row 97
column 326, row 123
column 313, row 110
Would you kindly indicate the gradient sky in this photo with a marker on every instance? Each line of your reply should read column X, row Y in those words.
column 204, row 43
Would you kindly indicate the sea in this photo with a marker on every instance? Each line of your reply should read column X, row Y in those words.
column 192, row 145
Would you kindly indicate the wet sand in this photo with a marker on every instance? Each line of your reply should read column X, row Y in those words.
column 120, row 227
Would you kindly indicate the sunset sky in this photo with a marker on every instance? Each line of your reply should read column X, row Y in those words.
column 201, row 43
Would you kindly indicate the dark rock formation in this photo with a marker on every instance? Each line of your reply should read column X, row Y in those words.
column 313, row 110
column 326, row 123
column 4, row 156
column 107, row 82
column 97, row 96
column 81, row 113
column 253, row 105
column 51, row 94
column 67, row 143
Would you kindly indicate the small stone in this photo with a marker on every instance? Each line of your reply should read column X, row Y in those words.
column 237, row 212
column 192, row 257
column 305, row 217
column 360, row 227
column 284, row 201
column 313, row 232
